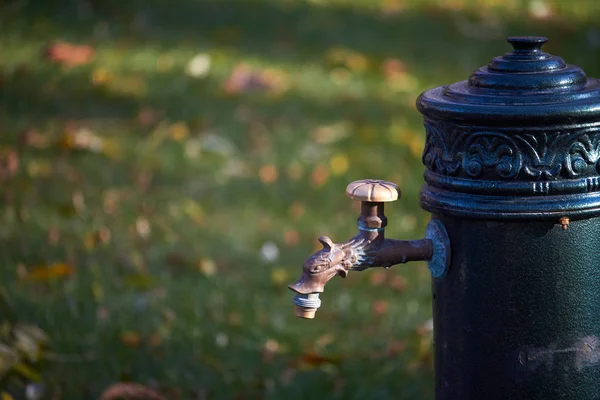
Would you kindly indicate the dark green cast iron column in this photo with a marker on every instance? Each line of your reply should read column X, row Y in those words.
column 512, row 158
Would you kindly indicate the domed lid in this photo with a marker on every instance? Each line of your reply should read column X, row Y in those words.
column 525, row 85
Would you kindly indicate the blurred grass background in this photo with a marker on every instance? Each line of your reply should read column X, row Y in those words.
column 166, row 167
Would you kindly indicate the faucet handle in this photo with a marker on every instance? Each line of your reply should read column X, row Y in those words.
column 373, row 190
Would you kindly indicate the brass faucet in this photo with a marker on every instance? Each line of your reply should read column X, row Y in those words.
column 368, row 248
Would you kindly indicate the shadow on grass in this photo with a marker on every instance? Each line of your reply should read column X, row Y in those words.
column 428, row 40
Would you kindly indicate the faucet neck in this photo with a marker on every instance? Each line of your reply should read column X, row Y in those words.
column 372, row 221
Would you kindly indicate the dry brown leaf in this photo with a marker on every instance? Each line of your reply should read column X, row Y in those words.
column 9, row 164
column 245, row 79
column 380, row 307
column 69, row 54
column 130, row 391
column 320, row 175
column 268, row 173
column 147, row 117
column 291, row 237
column 32, row 138
column 296, row 210
column 48, row 272
column 131, row 338
column 311, row 359
column 392, row 68
column 398, row 283
column 395, row 348
column 378, row 278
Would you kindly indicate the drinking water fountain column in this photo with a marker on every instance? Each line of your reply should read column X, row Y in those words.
column 512, row 182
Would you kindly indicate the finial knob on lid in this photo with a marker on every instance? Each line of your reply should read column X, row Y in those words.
column 527, row 43
column 373, row 190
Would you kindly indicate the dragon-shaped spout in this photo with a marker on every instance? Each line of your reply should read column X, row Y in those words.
column 357, row 253
column 368, row 248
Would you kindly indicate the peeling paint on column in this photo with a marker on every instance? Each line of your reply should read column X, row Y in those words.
column 586, row 354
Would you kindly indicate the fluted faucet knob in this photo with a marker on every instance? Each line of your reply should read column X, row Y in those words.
column 373, row 190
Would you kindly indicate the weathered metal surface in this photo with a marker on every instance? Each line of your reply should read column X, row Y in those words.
column 518, row 314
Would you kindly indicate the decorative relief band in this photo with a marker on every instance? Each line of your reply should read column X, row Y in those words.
column 513, row 160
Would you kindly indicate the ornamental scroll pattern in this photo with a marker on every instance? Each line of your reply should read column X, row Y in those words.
column 516, row 154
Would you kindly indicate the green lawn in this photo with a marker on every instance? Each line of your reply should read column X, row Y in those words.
column 137, row 198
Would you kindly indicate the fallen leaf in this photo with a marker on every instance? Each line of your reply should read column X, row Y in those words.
column 147, row 117
column 39, row 168
column 378, row 278
column 53, row 235
column 199, row 66
column 392, row 68
column 234, row 319
column 27, row 372
column 140, row 281
column 207, row 267
column 6, row 396
column 339, row 164
column 49, row 272
column 320, row 175
column 271, row 347
column 9, row 163
column 82, row 138
column 353, row 60
column 32, row 138
column 392, row 7
column 101, row 76
column 291, row 237
column 154, row 340
column 332, row 133
column 398, row 283
column 131, row 338
column 194, row 211
column 130, row 391
column 110, row 201
column 142, row 227
column 164, row 62
column 179, row 131
column 279, row 276
column 131, row 85
column 78, row 202
column 380, row 307
column 102, row 314
column 395, row 347
column 70, row 55
column 268, row 173
column 311, row 360
column 244, row 79
column 540, row 9
column 296, row 210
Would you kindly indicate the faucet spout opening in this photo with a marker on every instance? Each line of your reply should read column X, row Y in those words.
column 307, row 305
